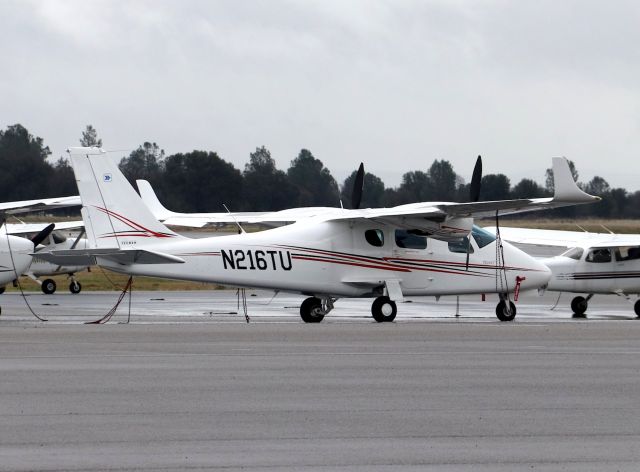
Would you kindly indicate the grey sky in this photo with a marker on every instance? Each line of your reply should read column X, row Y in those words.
column 393, row 83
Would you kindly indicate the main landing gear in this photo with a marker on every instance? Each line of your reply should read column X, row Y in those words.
column 49, row 286
column 579, row 306
column 506, row 309
column 313, row 309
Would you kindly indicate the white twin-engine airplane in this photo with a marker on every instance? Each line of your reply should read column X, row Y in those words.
column 385, row 253
column 594, row 263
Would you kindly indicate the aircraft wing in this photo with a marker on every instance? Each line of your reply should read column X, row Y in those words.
column 28, row 228
column 26, row 206
column 121, row 256
column 558, row 238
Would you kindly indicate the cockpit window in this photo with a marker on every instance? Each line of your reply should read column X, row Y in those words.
column 573, row 253
column 599, row 254
column 407, row 240
column 627, row 253
column 462, row 246
column 482, row 236
column 375, row 237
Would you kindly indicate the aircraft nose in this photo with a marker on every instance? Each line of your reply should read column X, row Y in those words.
column 20, row 253
column 535, row 272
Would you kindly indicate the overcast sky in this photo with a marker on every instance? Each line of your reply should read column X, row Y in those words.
column 395, row 84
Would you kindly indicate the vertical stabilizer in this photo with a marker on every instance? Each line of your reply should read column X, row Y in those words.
column 151, row 201
column 113, row 213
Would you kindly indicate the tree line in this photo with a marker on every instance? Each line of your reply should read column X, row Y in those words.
column 202, row 181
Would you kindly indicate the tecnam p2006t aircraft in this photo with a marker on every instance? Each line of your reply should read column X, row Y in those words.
column 385, row 253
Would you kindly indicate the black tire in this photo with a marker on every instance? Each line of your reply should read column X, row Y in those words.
column 2, row 289
column 384, row 309
column 75, row 287
column 48, row 286
column 501, row 311
column 579, row 306
column 636, row 308
column 311, row 310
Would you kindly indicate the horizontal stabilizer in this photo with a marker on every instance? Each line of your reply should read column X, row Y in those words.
column 120, row 256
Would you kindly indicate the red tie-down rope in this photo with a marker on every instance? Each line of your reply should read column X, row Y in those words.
column 111, row 312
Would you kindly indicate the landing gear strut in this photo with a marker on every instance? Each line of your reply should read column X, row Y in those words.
column 313, row 309
column 505, row 312
column 384, row 309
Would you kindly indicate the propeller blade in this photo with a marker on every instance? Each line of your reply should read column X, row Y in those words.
column 42, row 235
column 475, row 181
column 358, row 184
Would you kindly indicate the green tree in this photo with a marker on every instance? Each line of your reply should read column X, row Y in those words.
column 25, row 170
column 415, row 187
column 527, row 188
column 265, row 187
column 494, row 187
column 443, row 181
column 90, row 137
column 372, row 193
column 201, row 181
column 315, row 184
column 144, row 163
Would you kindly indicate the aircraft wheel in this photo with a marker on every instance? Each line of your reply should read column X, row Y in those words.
column 384, row 309
column 311, row 310
column 2, row 289
column 48, row 286
column 501, row 311
column 636, row 308
column 75, row 287
column 579, row 306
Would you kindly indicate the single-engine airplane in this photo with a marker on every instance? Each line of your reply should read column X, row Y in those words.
column 429, row 248
column 593, row 263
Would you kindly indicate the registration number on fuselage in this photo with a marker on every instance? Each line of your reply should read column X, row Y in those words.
column 249, row 259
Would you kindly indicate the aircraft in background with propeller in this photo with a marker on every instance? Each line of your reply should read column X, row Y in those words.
column 427, row 248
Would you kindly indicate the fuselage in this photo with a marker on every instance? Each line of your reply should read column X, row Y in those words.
column 600, row 269
column 344, row 259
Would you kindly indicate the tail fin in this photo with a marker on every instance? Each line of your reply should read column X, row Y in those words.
column 151, row 201
column 113, row 213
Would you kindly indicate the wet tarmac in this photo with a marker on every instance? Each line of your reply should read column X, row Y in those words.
column 189, row 385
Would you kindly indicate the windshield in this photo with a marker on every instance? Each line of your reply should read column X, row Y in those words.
column 573, row 253
column 482, row 236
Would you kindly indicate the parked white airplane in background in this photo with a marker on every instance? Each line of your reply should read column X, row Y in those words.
column 56, row 240
column 15, row 252
column 594, row 263
column 386, row 253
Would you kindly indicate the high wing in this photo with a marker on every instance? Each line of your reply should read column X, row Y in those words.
column 445, row 219
column 559, row 238
column 25, row 206
column 28, row 228
column 198, row 220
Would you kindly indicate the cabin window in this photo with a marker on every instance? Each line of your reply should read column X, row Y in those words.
column 627, row 253
column 58, row 238
column 482, row 236
column 573, row 253
column 375, row 237
column 407, row 240
column 599, row 254
column 462, row 246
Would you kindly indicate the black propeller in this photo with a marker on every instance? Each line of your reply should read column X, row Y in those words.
column 42, row 235
column 358, row 184
column 476, row 179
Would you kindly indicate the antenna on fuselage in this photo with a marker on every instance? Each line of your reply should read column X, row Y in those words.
column 242, row 231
